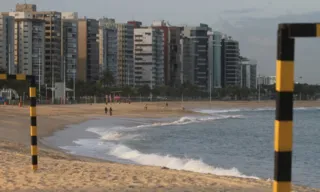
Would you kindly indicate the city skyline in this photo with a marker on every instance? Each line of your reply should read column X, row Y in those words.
column 253, row 23
column 266, row 65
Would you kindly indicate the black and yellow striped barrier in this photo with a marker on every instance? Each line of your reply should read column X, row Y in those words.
column 33, row 113
column 283, row 128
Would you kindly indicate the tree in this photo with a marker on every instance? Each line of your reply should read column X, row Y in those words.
column 144, row 90
column 107, row 78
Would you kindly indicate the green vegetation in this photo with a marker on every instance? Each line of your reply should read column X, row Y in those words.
column 107, row 86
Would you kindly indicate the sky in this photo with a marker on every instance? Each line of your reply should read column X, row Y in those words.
column 252, row 22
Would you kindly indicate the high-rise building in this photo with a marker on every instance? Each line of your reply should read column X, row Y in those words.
column 7, row 43
column 136, row 24
column 29, row 45
column 52, row 51
column 103, row 48
column 230, row 62
column 214, row 59
column 148, row 57
column 108, row 43
column 186, row 59
column 248, row 73
column 69, row 45
column 174, row 53
column 26, row 7
column 266, row 80
column 125, row 54
column 88, row 50
column 199, row 54
column 165, row 28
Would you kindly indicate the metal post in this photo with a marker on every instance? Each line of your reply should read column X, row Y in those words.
column 283, row 127
column 151, row 80
column 301, row 85
column 39, row 65
column 33, row 125
column 259, row 87
column 46, row 93
column 210, row 85
column 64, row 79
column 74, row 84
column 9, row 59
column 52, row 83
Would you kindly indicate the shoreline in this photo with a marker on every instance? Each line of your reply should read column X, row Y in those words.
column 192, row 181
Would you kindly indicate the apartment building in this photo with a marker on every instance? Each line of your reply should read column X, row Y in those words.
column 165, row 28
column 26, row 7
column 186, row 59
column 52, row 45
column 266, row 80
column 112, row 45
column 88, row 50
column 230, row 62
column 108, row 44
column 7, row 43
column 69, row 45
column 29, row 43
column 174, row 56
column 214, row 59
column 103, row 44
column 248, row 73
column 136, row 24
column 125, row 54
column 199, row 54
column 148, row 57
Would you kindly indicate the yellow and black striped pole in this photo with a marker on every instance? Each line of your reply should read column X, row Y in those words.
column 283, row 128
column 284, row 110
column 33, row 125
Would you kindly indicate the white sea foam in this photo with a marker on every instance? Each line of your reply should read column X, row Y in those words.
column 232, row 110
column 111, row 134
column 119, row 132
column 191, row 119
column 124, row 152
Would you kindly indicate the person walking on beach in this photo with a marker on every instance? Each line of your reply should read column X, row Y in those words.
column 146, row 107
column 106, row 110
column 110, row 111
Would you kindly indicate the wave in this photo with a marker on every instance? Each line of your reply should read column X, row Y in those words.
column 191, row 119
column 217, row 111
column 124, row 152
column 118, row 132
column 111, row 134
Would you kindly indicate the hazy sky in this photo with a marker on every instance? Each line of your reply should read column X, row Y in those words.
column 252, row 22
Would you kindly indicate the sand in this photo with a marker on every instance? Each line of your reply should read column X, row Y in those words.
column 59, row 171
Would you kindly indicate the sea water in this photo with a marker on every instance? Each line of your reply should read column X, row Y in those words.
column 230, row 142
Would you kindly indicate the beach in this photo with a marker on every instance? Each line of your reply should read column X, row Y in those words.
column 59, row 171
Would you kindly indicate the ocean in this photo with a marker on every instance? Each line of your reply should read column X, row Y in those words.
column 231, row 142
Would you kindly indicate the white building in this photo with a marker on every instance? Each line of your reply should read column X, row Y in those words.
column 125, row 62
column 148, row 57
column 29, row 45
column 266, row 80
column 248, row 73
column 7, row 43
column 69, row 15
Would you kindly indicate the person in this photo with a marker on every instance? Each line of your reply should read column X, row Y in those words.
column 106, row 110
column 146, row 107
column 110, row 111
column 166, row 104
